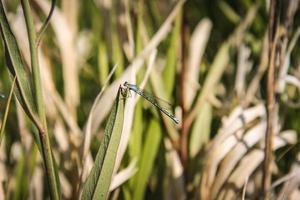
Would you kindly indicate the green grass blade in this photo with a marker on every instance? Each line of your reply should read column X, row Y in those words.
column 229, row 12
column 149, row 153
column 117, row 55
column 46, row 23
column 98, row 181
column 103, row 65
column 135, row 142
column 201, row 130
column 17, row 67
column 172, row 57
column 6, row 111
column 21, row 179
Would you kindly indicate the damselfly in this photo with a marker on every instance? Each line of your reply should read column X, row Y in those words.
column 151, row 99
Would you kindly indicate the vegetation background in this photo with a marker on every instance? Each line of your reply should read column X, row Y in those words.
column 230, row 69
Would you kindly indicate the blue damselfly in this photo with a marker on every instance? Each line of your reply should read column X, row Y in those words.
column 151, row 99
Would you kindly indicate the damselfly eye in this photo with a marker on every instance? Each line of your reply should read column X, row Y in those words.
column 126, row 83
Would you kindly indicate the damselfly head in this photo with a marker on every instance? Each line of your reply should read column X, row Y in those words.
column 126, row 84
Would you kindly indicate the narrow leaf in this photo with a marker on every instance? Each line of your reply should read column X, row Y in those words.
column 149, row 153
column 172, row 57
column 201, row 129
column 16, row 66
column 99, row 180
column 6, row 111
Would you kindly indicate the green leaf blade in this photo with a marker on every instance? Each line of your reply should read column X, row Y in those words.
column 16, row 65
column 98, row 181
column 147, row 162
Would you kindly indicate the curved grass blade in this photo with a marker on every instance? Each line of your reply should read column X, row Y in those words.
column 46, row 23
column 99, row 180
column 6, row 110
column 17, row 68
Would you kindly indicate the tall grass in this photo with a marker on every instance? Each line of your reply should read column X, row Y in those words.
column 230, row 70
